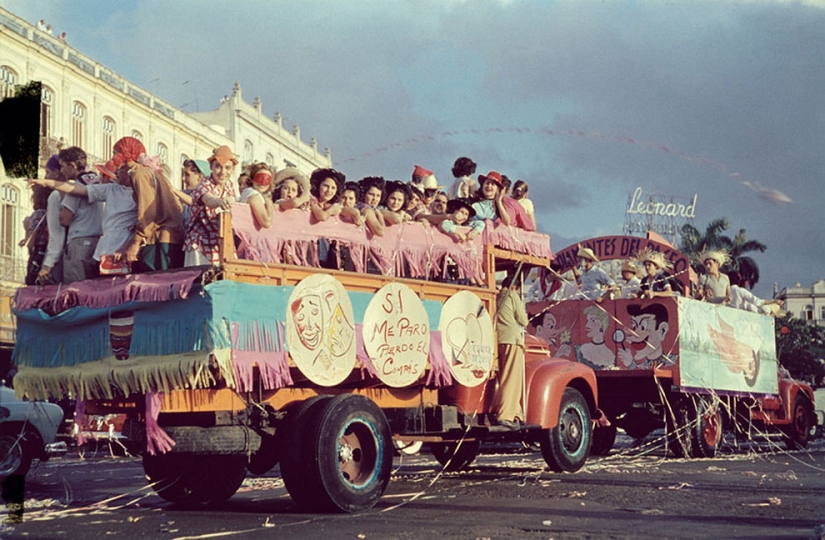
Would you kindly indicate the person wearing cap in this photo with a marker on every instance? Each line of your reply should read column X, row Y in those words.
column 655, row 282
column 714, row 285
column 464, row 185
column 629, row 285
column 215, row 194
column 256, row 194
column 83, row 219
column 593, row 281
column 488, row 203
column 511, row 319
column 430, row 189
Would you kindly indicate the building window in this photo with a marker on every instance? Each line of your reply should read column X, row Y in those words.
column 270, row 160
column 808, row 313
column 248, row 151
column 108, row 135
column 9, row 197
column 78, row 123
column 822, row 313
column 47, row 96
column 137, row 135
column 183, row 159
column 163, row 152
column 7, row 80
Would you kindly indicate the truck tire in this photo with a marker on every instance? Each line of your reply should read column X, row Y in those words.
column 798, row 432
column 194, row 480
column 678, row 428
column 603, row 440
column 456, row 456
column 348, row 455
column 565, row 447
column 15, row 456
column 292, row 436
column 706, row 431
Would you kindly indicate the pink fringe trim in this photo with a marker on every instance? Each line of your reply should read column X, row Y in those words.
column 440, row 374
column 157, row 440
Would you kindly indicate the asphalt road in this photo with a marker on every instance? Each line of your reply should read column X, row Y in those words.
column 760, row 491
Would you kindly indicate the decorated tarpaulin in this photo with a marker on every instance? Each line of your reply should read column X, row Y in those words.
column 140, row 346
column 411, row 249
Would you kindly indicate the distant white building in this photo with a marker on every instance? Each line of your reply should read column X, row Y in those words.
column 806, row 303
column 86, row 104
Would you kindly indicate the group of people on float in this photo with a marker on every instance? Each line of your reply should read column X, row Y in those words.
column 591, row 282
column 125, row 215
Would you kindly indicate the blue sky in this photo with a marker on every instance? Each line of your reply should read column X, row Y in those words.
column 732, row 90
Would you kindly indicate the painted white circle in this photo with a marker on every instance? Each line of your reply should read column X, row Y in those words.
column 396, row 333
column 320, row 329
column 467, row 338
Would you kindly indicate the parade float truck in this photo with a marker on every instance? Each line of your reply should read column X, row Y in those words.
column 254, row 362
column 691, row 367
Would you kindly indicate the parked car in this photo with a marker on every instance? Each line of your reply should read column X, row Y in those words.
column 27, row 432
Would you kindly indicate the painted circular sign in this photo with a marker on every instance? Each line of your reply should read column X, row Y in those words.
column 320, row 330
column 467, row 338
column 396, row 333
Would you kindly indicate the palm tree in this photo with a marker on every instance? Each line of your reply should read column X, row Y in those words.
column 694, row 242
column 745, row 265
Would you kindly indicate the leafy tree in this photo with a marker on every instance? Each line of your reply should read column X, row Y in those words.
column 799, row 348
column 694, row 242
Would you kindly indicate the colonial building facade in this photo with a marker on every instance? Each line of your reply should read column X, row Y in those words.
column 806, row 303
column 86, row 104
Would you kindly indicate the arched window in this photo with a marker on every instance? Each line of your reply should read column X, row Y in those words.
column 270, row 160
column 183, row 158
column 163, row 152
column 46, row 99
column 108, row 135
column 78, row 123
column 8, row 78
column 248, row 152
column 9, row 199
column 137, row 135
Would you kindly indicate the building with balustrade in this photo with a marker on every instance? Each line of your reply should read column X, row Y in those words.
column 86, row 104
column 806, row 303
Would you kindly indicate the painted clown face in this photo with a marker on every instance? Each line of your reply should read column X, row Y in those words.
column 309, row 320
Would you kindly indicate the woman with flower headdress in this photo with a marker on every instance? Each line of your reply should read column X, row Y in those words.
column 655, row 282
column 714, row 285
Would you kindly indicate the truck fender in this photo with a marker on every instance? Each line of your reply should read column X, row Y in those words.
column 545, row 381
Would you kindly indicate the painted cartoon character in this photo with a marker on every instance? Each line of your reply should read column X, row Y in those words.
column 738, row 357
column 649, row 325
column 595, row 354
column 557, row 337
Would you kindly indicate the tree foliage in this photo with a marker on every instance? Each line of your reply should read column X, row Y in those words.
column 799, row 348
column 694, row 242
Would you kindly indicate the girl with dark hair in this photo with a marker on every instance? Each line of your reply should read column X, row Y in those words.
column 488, row 203
column 372, row 191
column 396, row 198
column 349, row 198
column 326, row 185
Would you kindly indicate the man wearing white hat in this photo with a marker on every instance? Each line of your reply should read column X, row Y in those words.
column 593, row 280
column 714, row 286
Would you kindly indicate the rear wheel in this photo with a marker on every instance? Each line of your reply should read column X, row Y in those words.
column 802, row 418
column 193, row 479
column 706, row 432
column 678, row 428
column 565, row 447
column 603, row 440
column 456, row 456
column 347, row 451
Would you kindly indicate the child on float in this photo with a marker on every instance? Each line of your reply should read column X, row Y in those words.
column 459, row 213
column 629, row 286
column 714, row 285
column 488, row 203
column 256, row 193
column 291, row 190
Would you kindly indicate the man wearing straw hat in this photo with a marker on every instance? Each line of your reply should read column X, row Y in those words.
column 714, row 286
column 593, row 280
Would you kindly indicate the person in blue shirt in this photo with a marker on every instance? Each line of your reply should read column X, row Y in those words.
column 594, row 281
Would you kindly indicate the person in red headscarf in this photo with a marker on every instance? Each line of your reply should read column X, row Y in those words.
column 158, row 236
column 257, row 193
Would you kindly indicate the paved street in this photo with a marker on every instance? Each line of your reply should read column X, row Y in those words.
column 759, row 492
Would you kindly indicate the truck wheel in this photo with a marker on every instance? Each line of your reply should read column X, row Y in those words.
column 15, row 458
column 566, row 446
column 706, row 432
column 455, row 457
column 292, row 436
column 799, row 432
column 349, row 448
column 603, row 439
column 194, row 480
